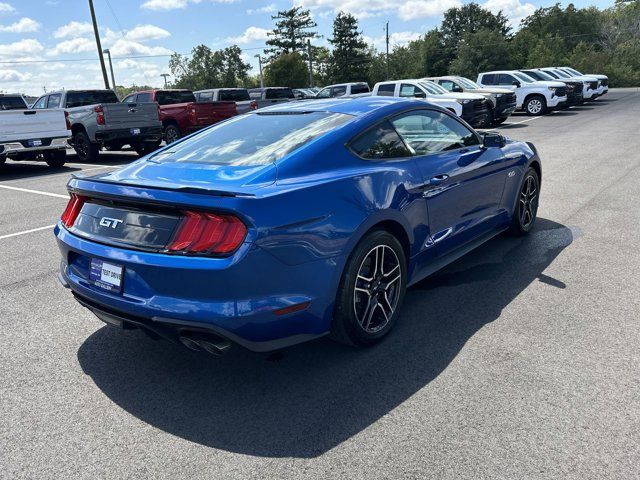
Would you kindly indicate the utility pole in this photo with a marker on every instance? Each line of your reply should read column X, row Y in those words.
column 95, row 31
column 387, row 41
column 164, row 75
column 310, row 63
column 113, row 78
column 260, row 67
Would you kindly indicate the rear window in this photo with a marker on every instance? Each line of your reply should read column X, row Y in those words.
column 90, row 97
column 361, row 88
column 168, row 97
column 12, row 103
column 386, row 89
column 234, row 95
column 255, row 139
column 274, row 93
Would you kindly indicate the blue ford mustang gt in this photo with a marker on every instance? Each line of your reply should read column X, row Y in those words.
column 292, row 222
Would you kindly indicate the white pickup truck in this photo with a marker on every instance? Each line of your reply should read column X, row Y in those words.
column 32, row 135
column 351, row 89
column 533, row 96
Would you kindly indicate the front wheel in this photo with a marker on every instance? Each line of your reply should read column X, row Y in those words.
column 536, row 105
column 55, row 159
column 526, row 210
column 371, row 290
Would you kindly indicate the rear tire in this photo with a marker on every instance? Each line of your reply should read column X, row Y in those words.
column 371, row 290
column 536, row 105
column 144, row 148
column 526, row 209
column 499, row 121
column 171, row 133
column 86, row 150
column 55, row 159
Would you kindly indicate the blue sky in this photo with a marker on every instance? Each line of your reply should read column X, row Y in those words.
column 44, row 43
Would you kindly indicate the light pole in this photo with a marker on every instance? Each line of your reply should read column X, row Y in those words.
column 95, row 31
column 113, row 79
column 260, row 67
column 164, row 75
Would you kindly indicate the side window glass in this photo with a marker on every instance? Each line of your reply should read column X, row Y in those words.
column 380, row 142
column 428, row 131
column 407, row 90
column 130, row 99
column 504, row 79
column 54, row 100
column 488, row 79
column 143, row 97
column 448, row 84
column 40, row 103
column 386, row 89
column 338, row 91
column 324, row 93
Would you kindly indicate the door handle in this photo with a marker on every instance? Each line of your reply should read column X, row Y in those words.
column 438, row 179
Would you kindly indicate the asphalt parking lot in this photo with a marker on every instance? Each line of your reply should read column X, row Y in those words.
column 521, row 360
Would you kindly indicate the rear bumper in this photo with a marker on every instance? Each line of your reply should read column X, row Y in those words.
column 27, row 146
column 233, row 297
column 146, row 134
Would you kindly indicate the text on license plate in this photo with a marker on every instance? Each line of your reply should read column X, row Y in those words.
column 106, row 275
column 135, row 131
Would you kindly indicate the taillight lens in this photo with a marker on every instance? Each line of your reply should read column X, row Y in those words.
column 73, row 209
column 201, row 232
column 100, row 116
column 66, row 119
column 254, row 105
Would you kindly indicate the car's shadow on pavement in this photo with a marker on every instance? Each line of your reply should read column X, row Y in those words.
column 310, row 398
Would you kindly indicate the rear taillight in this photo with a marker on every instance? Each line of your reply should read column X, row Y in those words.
column 73, row 209
column 66, row 119
column 201, row 232
column 254, row 105
column 100, row 116
column 192, row 113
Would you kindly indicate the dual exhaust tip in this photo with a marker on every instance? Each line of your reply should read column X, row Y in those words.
column 205, row 342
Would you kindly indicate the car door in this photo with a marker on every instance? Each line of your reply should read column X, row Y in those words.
column 463, row 182
column 505, row 80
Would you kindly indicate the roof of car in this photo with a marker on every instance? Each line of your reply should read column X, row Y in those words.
column 356, row 106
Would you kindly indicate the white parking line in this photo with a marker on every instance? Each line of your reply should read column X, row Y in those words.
column 48, row 227
column 100, row 167
column 27, row 190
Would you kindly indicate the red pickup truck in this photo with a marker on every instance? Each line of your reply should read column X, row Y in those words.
column 180, row 113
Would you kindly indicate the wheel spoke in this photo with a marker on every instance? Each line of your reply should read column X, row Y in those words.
column 388, row 284
column 372, row 308
column 388, row 274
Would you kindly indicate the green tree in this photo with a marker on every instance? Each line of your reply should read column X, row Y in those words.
column 293, row 29
column 122, row 92
column 547, row 50
column 287, row 70
column 321, row 63
column 350, row 57
column 208, row 69
column 481, row 51
column 471, row 18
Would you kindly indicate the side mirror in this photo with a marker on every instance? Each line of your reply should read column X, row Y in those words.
column 420, row 95
column 493, row 140
column 457, row 88
column 516, row 83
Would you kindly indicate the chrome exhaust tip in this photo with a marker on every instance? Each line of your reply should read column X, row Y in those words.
column 212, row 344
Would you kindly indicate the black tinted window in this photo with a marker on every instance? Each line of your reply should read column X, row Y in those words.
column 489, row 79
column 386, row 89
column 504, row 79
column 382, row 141
column 90, row 97
column 428, row 131
column 338, row 91
column 169, row 97
column 274, row 93
column 143, row 97
column 533, row 74
column 12, row 103
column 233, row 95
column 553, row 74
column 359, row 89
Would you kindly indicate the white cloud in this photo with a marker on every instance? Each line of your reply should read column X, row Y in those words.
column 6, row 8
column 74, row 45
column 21, row 50
column 426, row 8
column 406, row 10
column 512, row 9
column 124, row 47
column 23, row 25
column 251, row 34
column 167, row 4
column 142, row 33
column 266, row 9
column 73, row 29
column 13, row 76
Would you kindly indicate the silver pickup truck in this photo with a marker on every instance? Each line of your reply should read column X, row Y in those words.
column 99, row 120
column 241, row 96
column 30, row 135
